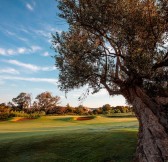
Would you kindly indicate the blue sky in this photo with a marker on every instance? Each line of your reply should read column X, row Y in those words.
column 26, row 64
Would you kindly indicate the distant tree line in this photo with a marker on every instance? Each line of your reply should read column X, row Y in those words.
column 107, row 109
column 47, row 104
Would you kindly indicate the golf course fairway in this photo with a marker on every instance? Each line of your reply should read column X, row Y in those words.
column 68, row 139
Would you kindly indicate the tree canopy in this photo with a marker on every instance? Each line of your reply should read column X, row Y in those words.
column 122, row 46
column 46, row 101
column 113, row 44
column 23, row 100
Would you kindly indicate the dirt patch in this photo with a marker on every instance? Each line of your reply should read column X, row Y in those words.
column 84, row 118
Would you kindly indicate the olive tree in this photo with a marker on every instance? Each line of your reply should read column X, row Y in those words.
column 120, row 45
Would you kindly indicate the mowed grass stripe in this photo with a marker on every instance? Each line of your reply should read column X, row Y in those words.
column 76, row 142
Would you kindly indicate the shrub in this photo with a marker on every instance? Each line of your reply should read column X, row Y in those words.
column 30, row 115
column 5, row 112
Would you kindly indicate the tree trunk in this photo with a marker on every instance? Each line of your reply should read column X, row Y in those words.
column 153, row 127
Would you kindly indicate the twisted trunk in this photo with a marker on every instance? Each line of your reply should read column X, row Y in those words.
column 153, row 127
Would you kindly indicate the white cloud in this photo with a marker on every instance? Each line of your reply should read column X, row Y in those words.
column 27, row 66
column 9, row 33
column 35, row 48
column 31, row 67
column 53, row 29
column 9, row 71
column 46, row 32
column 11, row 52
column 29, row 7
column 20, row 50
column 22, row 39
column 47, row 80
column 24, row 29
column 52, row 68
column 45, row 54
column 2, row 51
column 42, row 33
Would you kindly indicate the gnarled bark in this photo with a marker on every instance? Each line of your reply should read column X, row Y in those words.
column 153, row 127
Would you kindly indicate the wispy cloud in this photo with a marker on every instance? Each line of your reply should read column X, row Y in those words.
column 2, row 51
column 47, row 80
column 20, row 50
column 46, row 32
column 35, row 48
column 29, row 7
column 45, row 54
column 31, row 67
column 10, row 33
column 9, row 71
column 53, row 29
column 22, row 39
column 25, row 30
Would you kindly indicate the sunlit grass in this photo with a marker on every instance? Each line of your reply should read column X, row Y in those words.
column 61, row 138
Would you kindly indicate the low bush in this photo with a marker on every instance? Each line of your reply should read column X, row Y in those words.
column 31, row 115
column 5, row 112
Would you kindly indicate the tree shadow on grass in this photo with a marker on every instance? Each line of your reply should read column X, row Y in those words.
column 108, row 146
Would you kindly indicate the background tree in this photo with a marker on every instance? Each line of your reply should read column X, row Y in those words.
column 80, row 110
column 11, row 105
column 36, row 106
column 47, row 101
column 120, row 46
column 69, row 109
column 98, row 111
column 23, row 101
column 106, row 108
column 5, row 112
column 60, row 110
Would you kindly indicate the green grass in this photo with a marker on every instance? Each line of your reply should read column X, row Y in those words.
column 122, row 115
column 63, row 139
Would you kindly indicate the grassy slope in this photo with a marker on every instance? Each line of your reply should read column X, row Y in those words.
column 60, row 139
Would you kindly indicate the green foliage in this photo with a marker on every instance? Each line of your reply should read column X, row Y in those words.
column 5, row 112
column 69, row 109
column 106, row 108
column 114, row 45
column 30, row 115
column 122, row 109
column 23, row 101
column 46, row 101
column 98, row 111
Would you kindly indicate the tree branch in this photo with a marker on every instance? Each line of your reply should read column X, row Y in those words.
column 111, row 92
column 161, row 64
